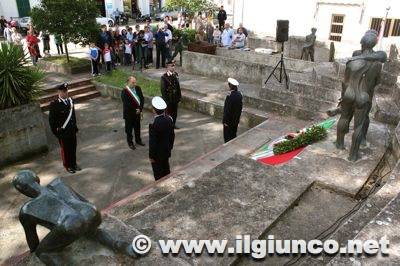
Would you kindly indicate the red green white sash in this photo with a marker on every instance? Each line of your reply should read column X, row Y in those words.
column 133, row 94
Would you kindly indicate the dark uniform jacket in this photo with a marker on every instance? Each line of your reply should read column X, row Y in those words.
column 130, row 106
column 221, row 15
column 170, row 88
column 233, row 108
column 58, row 114
column 161, row 137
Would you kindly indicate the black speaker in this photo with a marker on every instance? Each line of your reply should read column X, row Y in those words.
column 282, row 30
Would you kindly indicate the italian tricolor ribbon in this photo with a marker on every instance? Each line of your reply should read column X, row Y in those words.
column 134, row 96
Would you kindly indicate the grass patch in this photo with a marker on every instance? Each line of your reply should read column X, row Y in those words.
column 73, row 61
column 118, row 79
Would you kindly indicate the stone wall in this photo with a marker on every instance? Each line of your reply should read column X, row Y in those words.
column 293, row 47
column 52, row 67
column 22, row 133
column 269, row 60
column 220, row 67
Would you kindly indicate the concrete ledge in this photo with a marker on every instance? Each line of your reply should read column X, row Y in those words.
column 68, row 70
column 269, row 60
column 22, row 133
column 293, row 47
column 220, row 67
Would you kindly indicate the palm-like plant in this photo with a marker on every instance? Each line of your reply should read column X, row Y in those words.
column 18, row 81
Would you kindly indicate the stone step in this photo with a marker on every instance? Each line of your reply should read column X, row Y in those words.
column 71, row 92
column 288, row 98
column 213, row 96
column 213, row 105
column 222, row 193
column 72, row 84
column 77, row 99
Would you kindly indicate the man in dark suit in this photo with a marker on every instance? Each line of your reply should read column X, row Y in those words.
column 171, row 91
column 232, row 110
column 221, row 18
column 133, row 102
column 62, row 122
column 161, row 139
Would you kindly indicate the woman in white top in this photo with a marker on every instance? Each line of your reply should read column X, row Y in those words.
column 16, row 37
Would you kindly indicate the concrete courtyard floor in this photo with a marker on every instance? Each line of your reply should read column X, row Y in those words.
column 111, row 171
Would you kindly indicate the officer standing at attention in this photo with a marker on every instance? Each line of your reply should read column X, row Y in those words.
column 133, row 102
column 161, row 139
column 62, row 122
column 232, row 110
column 171, row 90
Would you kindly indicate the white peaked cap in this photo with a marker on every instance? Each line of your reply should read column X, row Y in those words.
column 234, row 82
column 158, row 103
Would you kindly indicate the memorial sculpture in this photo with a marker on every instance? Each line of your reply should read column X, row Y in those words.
column 65, row 213
column 308, row 48
column 362, row 74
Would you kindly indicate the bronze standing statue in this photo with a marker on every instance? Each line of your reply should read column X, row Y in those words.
column 362, row 74
column 65, row 213
column 308, row 48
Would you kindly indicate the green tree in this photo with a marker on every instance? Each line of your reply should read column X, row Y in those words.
column 191, row 6
column 74, row 20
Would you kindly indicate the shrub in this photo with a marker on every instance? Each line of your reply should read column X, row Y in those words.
column 18, row 81
column 188, row 35
column 311, row 135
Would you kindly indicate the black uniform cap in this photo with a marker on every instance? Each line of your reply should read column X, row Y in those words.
column 63, row 87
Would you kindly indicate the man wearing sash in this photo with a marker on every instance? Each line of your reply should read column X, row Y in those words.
column 62, row 122
column 133, row 102
column 171, row 90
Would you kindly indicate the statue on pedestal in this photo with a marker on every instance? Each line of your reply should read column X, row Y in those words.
column 65, row 213
column 362, row 74
column 308, row 48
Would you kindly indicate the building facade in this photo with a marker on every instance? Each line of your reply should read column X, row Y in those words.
column 341, row 21
column 16, row 8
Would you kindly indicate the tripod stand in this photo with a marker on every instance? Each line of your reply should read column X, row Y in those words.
column 282, row 70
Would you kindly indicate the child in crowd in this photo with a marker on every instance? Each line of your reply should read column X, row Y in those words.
column 94, row 56
column 127, row 53
column 217, row 35
column 107, row 57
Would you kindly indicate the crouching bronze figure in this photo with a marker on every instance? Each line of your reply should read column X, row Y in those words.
column 65, row 213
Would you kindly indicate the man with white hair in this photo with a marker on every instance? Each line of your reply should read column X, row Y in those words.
column 227, row 36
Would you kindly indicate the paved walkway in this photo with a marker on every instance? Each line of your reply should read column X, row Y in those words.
column 111, row 170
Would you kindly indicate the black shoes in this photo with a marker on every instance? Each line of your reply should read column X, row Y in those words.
column 132, row 147
column 71, row 170
column 140, row 143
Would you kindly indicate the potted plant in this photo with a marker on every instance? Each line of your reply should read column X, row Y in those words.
column 22, row 130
